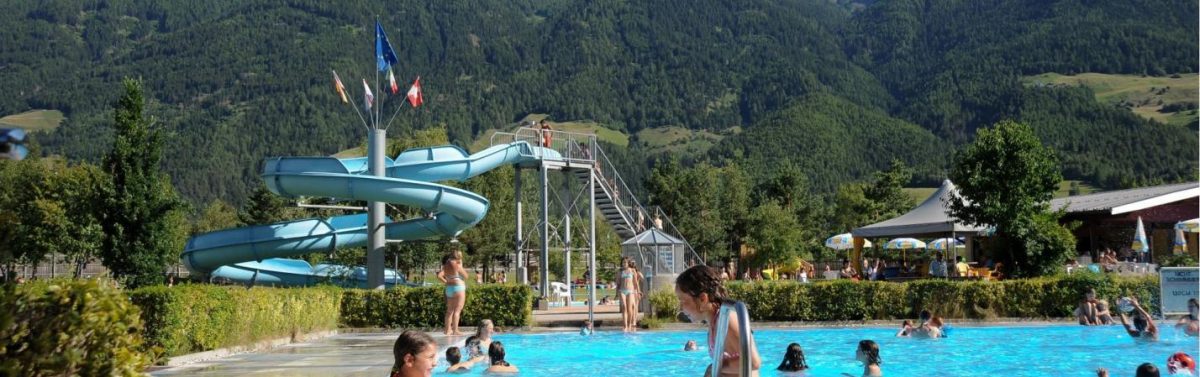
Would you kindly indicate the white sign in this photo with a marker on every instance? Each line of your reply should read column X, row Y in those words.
column 666, row 256
column 1177, row 285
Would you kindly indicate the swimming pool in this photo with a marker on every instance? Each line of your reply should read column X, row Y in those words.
column 1052, row 350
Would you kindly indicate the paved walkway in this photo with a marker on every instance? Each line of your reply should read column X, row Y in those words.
column 366, row 354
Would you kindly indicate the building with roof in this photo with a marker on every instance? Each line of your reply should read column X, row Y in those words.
column 1107, row 220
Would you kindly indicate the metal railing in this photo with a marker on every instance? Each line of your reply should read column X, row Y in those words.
column 743, row 317
column 583, row 148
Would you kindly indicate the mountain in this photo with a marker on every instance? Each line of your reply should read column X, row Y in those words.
column 234, row 82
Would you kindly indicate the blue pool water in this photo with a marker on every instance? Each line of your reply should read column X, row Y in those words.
column 1059, row 350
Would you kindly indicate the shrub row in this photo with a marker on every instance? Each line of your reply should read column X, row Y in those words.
column 1048, row 297
column 509, row 305
column 68, row 328
column 193, row 318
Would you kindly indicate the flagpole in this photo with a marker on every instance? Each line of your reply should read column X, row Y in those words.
column 389, row 123
column 351, row 103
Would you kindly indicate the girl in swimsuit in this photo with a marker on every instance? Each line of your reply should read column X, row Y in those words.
column 630, row 290
column 455, row 278
column 700, row 295
column 415, row 353
column 1189, row 323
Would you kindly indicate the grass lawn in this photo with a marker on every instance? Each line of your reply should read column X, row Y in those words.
column 1147, row 95
column 34, row 120
column 604, row 134
column 680, row 140
column 919, row 194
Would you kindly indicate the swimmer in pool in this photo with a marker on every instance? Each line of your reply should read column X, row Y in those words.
column 1190, row 323
column 868, row 354
column 793, row 359
column 1143, row 326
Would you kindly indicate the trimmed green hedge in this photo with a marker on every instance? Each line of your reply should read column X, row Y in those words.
column 844, row 300
column 198, row 317
column 509, row 305
column 68, row 328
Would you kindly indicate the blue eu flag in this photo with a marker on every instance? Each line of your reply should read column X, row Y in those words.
column 384, row 55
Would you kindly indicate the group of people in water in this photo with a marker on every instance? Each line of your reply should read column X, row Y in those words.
column 701, row 293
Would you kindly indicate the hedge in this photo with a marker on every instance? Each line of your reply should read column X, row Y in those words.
column 198, row 317
column 509, row 305
column 69, row 327
column 843, row 300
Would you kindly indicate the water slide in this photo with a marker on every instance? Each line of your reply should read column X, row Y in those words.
column 256, row 254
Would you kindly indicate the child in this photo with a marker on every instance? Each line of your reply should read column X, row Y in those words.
column 587, row 328
column 905, row 329
column 793, row 359
column 700, row 295
column 415, row 353
column 496, row 352
column 868, row 354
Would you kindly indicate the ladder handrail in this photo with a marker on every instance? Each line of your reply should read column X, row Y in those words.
column 743, row 317
column 647, row 222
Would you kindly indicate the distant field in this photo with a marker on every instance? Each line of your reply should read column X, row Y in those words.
column 604, row 134
column 35, row 120
column 919, row 194
column 680, row 140
column 1145, row 95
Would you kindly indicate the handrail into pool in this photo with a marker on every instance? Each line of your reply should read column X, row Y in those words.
column 743, row 317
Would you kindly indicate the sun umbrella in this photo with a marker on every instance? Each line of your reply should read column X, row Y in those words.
column 843, row 241
column 940, row 243
column 1139, row 238
column 1192, row 225
column 1180, row 242
column 904, row 244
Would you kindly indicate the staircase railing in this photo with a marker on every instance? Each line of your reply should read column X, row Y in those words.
column 641, row 219
column 584, row 149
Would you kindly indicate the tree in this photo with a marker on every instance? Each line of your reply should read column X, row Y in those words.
column 1006, row 179
column 216, row 215
column 774, row 234
column 142, row 215
column 263, row 207
column 859, row 204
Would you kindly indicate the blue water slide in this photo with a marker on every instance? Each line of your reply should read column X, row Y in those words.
column 257, row 254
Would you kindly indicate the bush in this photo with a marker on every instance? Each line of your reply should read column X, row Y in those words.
column 509, row 305
column 69, row 327
column 664, row 304
column 193, row 318
column 844, row 300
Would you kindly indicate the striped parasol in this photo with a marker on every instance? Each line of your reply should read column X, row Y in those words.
column 904, row 244
column 941, row 243
column 1192, row 225
column 844, row 241
column 1139, row 238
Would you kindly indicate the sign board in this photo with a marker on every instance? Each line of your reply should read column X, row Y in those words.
column 1177, row 285
column 666, row 256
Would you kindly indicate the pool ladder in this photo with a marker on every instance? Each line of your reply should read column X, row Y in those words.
column 743, row 318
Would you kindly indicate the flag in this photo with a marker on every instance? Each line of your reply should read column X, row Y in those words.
column 367, row 96
column 341, row 89
column 392, row 82
column 385, row 57
column 414, row 93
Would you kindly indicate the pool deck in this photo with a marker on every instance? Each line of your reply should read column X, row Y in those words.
column 367, row 352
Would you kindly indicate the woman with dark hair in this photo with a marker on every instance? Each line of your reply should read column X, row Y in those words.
column 1143, row 327
column 496, row 353
column 868, row 354
column 1189, row 323
column 630, row 293
column 793, row 359
column 415, row 353
column 700, row 295
column 455, row 278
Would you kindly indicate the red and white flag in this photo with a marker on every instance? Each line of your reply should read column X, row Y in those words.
column 392, row 82
column 368, row 97
column 341, row 89
column 414, row 93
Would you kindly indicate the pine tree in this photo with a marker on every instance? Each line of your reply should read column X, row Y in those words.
column 263, row 207
column 142, row 215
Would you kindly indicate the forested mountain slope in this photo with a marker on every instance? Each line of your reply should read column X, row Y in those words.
column 237, row 81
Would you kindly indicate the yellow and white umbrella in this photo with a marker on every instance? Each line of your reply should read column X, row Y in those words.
column 904, row 244
column 844, row 241
column 1180, row 242
column 1139, row 238
column 1192, row 225
column 942, row 243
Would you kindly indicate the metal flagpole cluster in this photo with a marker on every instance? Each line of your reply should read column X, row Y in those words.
column 385, row 58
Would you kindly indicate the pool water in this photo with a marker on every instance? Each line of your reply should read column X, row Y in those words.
column 1057, row 350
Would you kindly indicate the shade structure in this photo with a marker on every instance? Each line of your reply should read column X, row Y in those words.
column 904, row 244
column 1139, row 238
column 1192, row 225
column 929, row 219
column 843, row 241
column 943, row 243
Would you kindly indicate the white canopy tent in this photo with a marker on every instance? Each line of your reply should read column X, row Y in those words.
column 929, row 219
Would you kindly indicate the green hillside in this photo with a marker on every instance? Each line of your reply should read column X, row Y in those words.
column 235, row 81
column 1168, row 99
